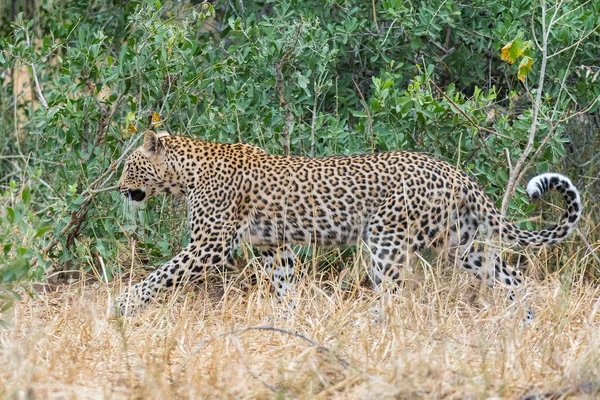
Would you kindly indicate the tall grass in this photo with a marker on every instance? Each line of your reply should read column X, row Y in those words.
column 444, row 336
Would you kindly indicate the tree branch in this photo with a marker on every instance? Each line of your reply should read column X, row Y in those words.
column 516, row 172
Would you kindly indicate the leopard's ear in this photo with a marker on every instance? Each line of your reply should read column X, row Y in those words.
column 162, row 134
column 151, row 143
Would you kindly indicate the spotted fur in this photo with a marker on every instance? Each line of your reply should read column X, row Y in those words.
column 395, row 203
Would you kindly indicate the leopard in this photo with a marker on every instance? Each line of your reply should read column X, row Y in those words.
column 393, row 204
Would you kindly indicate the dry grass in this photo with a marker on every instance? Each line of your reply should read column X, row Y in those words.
column 443, row 338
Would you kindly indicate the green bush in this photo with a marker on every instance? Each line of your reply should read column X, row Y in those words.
column 304, row 77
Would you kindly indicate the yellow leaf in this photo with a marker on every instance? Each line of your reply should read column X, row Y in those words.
column 516, row 49
column 524, row 68
column 506, row 55
column 156, row 119
column 132, row 129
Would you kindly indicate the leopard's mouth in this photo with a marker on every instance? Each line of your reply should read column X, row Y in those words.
column 136, row 195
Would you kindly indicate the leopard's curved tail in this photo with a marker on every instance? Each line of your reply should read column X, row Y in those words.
column 536, row 187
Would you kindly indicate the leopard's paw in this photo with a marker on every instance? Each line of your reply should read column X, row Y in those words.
column 127, row 304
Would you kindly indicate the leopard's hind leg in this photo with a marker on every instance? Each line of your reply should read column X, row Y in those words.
column 279, row 265
column 486, row 265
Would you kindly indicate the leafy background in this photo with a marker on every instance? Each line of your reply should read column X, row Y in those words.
column 311, row 77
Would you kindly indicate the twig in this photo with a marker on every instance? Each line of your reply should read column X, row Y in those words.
column 279, row 83
column 580, row 112
column 314, row 120
column 374, row 14
column 591, row 160
column 37, row 83
column 113, row 166
column 479, row 128
column 252, row 374
column 507, row 155
column 103, row 112
column 368, row 115
column 537, row 44
column 536, row 154
column 77, row 218
column 105, row 189
column 587, row 244
column 345, row 364
column 562, row 85
column 15, row 116
column 574, row 44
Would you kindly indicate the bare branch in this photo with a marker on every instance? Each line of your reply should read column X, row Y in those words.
column 345, row 364
column 573, row 10
column 588, row 162
column 583, row 111
column 106, row 189
column 508, row 162
column 33, row 71
column 574, row 44
column 537, row 44
column 553, row 19
column 562, row 85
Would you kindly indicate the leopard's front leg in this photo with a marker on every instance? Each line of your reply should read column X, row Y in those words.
column 215, row 232
column 175, row 272
column 215, row 248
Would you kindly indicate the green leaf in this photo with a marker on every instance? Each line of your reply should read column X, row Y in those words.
column 10, row 215
column 26, row 195
column 404, row 105
column 416, row 43
column 7, row 306
column 359, row 114
column 42, row 230
column 429, row 114
column 302, row 81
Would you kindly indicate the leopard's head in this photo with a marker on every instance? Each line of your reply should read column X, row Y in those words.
column 145, row 171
